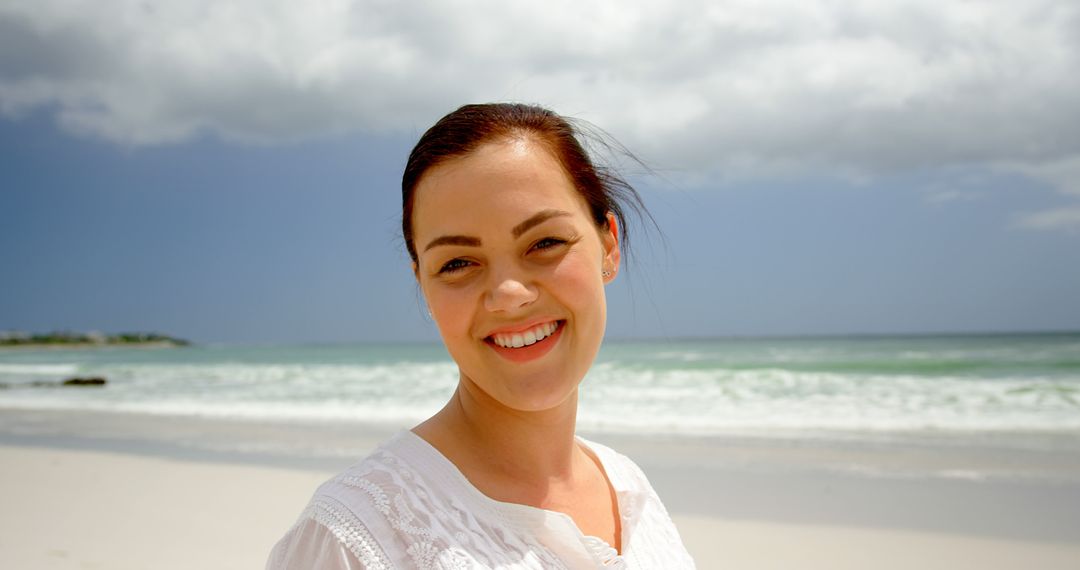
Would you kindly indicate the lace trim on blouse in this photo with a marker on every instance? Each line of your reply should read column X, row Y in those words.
column 605, row 553
column 348, row 529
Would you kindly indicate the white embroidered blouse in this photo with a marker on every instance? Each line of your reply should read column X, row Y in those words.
column 407, row 506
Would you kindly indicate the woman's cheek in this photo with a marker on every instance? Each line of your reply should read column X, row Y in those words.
column 575, row 275
column 447, row 305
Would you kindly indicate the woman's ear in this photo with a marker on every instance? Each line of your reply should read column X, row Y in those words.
column 609, row 239
column 420, row 286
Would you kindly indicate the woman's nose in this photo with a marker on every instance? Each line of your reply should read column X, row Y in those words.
column 508, row 293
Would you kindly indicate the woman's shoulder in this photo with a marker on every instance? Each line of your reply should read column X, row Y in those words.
column 365, row 483
column 647, row 525
column 362, row 510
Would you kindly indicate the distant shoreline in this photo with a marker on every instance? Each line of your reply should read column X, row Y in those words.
column 83, row 340
column 91, row 345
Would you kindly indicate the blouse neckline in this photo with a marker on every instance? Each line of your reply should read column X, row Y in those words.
column 517, row 513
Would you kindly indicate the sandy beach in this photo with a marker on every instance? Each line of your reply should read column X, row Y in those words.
column 117, row 497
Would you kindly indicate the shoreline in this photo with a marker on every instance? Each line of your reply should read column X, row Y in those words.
column 67, row 509
column 95, row 489
column 997, row 487
column 304, row 443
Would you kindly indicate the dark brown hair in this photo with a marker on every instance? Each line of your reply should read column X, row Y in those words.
column 464, row 130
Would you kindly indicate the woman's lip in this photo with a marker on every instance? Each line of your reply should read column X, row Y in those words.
column 521, row 328
column 531, row 351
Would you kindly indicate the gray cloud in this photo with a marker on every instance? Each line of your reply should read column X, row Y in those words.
column 1061, row 219
column 737, row 86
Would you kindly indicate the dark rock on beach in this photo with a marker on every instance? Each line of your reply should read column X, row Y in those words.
column 90, row 381
column 77, row 381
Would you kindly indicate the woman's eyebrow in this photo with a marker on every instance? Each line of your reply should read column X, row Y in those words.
column 453, row 240
column 536, row 219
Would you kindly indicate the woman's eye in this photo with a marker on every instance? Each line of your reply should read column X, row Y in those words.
column 453, row 265
column 548, row 243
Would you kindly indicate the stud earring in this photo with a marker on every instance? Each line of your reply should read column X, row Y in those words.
column 605, row 274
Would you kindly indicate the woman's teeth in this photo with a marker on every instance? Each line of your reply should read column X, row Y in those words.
column 531, row 336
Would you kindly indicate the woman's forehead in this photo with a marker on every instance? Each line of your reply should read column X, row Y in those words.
column 513, row 159
column 493, row 186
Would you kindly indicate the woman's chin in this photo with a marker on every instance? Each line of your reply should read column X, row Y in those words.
column 543, row 397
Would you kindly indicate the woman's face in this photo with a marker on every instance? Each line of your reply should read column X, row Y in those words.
column 510, row 263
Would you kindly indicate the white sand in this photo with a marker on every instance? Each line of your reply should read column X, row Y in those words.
column 91, row 510
column 718, row 543
column 94, row 510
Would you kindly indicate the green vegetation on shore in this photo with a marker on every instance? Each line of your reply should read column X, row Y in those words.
column 67, row 338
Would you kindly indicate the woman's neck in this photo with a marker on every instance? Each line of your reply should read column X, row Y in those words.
column 493, row 444
column 529, row 458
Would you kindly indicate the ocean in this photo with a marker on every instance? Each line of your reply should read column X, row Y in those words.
column 859, row 386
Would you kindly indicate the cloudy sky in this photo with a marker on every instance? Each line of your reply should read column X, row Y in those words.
column 228, row 170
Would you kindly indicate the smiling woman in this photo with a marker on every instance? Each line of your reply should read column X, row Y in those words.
column 513, row 234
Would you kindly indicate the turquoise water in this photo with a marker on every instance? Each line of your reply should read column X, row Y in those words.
column 983, row 383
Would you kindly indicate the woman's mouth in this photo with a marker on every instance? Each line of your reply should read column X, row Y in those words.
column 528, row 344
column 525, row 338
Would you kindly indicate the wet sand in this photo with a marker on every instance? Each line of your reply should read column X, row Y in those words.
column 111, row 491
